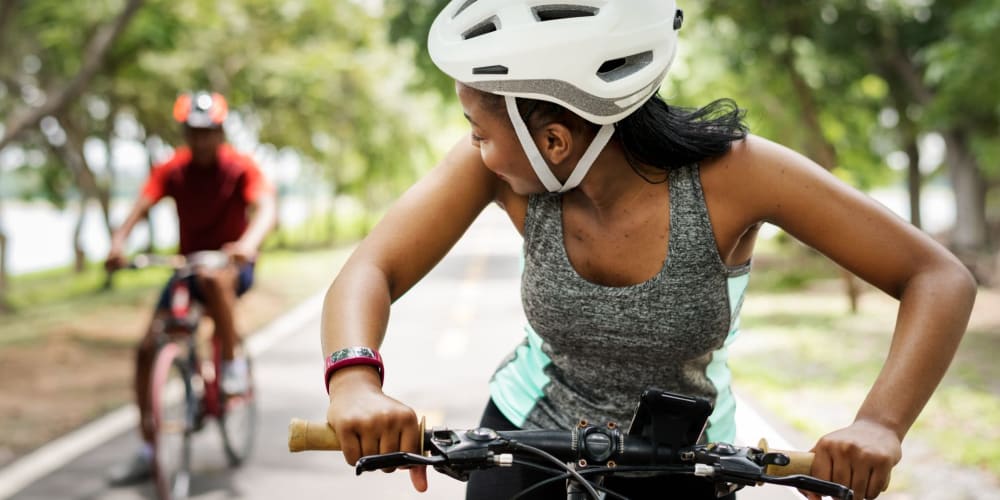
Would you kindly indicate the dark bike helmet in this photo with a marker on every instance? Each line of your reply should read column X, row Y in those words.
column 201, row 109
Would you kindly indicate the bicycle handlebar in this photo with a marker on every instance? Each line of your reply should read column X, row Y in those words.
column 319, row 436
column 456, row 452
column 183, row 264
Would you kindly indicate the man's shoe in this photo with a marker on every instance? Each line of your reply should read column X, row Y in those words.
column 235, row 377
column 137, row 470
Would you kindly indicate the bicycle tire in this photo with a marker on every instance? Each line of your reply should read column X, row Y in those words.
column 172, row 407
column 238, row 422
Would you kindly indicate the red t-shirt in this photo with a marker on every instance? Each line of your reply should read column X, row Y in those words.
column 211, row 202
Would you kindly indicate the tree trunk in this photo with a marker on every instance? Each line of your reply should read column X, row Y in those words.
column 822, row 151
column 3, row 262
column 3, row 272
column 79, row 256
column 86, row 180
column 72, row 155
column 59, row 98
column 914, row 181
column 6, row 14
column 970, row 233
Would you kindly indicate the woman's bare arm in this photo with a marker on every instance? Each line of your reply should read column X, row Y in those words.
column 935, row 293
column 413, row 236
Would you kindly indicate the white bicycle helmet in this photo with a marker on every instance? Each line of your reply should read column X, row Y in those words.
column 601, row 59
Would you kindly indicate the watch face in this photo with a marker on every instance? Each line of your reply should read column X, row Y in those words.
column 352, row 352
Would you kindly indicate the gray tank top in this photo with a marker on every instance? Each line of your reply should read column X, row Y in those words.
column 591, row 349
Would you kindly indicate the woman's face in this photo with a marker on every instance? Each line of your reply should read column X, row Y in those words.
column 493, row 134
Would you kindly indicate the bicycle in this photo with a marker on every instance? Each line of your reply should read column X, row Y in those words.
column 184, row 388
column 657, row 442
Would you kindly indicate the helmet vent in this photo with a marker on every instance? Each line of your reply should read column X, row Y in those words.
column 486, row 27
column 556, row 12
column 496, row 69
column 616, row 69
column 463, row 7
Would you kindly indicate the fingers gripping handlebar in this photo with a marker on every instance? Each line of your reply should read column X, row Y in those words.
column 319, row 436
column 456, row 452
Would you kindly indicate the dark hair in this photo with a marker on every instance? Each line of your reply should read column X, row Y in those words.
column 667, row 137
column 656, row 134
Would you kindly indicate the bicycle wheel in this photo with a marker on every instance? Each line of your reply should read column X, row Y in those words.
column 238, row 422
column 172, row 405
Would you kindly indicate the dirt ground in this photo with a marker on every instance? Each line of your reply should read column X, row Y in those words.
column 84, row 369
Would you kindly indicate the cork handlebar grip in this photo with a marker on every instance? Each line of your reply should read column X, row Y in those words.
column 800, row 462
column 305, row 436
column 319, row 436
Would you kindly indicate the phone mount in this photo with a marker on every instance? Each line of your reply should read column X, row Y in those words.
column 670, row 419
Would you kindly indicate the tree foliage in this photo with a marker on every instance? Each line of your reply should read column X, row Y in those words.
column 319, row 79
column 873, row 78
column 316, row 88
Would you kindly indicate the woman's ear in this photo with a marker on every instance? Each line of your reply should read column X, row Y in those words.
column 555, row 142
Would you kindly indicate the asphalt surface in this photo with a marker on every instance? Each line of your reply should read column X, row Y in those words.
column 446, row 336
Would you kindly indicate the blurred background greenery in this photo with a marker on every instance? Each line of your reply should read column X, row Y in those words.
column 341, row 105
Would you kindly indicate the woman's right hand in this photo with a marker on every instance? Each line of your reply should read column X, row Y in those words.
column 368, row 422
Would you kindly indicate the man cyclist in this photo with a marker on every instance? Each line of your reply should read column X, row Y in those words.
column 223, row 202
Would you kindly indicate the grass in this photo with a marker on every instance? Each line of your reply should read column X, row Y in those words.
column 43, row 300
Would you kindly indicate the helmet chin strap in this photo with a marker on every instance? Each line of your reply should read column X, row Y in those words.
column 539, row 164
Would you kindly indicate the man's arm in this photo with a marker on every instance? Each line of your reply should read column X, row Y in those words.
column 120, row 236
column 262, row 220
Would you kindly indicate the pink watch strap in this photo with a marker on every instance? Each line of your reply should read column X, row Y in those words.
column 354, row 356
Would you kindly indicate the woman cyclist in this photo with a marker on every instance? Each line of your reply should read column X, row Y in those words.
column 639, row 220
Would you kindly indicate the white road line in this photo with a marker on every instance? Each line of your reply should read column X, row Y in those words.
column 751, row 427
column 62, row 450
column 56, row 454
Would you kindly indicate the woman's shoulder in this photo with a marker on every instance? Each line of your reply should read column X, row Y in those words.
column 758, row 177
column 755, row 162
column 749, row 153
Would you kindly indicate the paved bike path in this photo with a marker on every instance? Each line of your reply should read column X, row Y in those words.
column 445, row 338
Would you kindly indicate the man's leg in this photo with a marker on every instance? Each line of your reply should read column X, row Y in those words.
column 139, row 467
column 218, row 290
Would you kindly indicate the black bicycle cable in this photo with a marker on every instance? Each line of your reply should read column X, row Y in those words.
column 556, row 475
column 562, row 476
column 571, row 471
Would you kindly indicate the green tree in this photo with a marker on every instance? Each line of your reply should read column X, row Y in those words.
column 921, row 52
column 318, row 81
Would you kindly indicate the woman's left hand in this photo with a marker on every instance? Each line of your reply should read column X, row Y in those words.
column 860, row 456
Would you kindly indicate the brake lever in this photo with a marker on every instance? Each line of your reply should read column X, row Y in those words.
column 825, row 488
column 394, row 460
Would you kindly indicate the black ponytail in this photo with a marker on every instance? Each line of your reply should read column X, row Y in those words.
column 667, row 137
